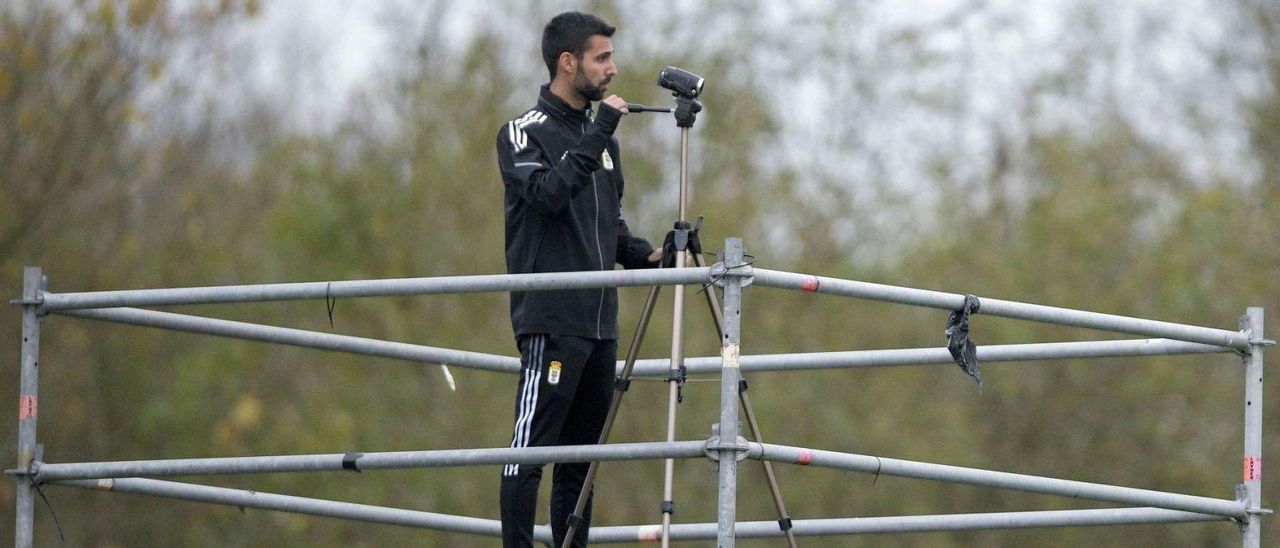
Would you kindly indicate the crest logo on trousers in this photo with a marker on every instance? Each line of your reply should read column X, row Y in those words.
column 553, row 373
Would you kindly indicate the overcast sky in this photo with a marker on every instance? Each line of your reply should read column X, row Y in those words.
column 884, row 110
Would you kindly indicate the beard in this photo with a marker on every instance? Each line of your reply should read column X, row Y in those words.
column 583, row 85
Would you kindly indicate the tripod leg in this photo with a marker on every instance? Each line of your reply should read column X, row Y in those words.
column 624, row 380
column 677, row 360
column 784, row 521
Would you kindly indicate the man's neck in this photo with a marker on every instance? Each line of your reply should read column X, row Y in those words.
column 562, row 89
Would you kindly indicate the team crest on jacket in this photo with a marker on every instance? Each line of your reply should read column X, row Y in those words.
column 553, row 376
column 606, row 161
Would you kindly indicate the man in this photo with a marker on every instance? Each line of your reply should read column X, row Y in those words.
column 563, row 179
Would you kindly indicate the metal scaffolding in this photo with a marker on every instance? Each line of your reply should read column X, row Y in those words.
column 726, row 447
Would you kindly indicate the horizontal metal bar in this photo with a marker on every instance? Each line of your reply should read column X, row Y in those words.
column 625, row 278
column 375, row 288
column 632, row 533
column 906, row 524
column 299, row 337
column 929, row 356
column 296, row 505
column 1001, row 480
column 370, row 461
column 650, row 367
column 1006, row 309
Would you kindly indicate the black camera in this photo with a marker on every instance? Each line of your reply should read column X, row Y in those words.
column 682, row 82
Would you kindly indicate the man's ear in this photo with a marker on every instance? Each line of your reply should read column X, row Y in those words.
column 567, row 62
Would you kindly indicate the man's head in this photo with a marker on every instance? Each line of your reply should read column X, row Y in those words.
column 579, row 47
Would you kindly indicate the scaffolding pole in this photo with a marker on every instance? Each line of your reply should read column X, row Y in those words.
column 375, row 288
column 28, row 392
column 937, row 356
column 726, row 442
column 51, row 472
column 629, row 278
column 45, row 472
column 301, row 338
column 885, row 466
column 908, row 524
column 1005, row 309
column 636, row 533
column 648, row 367
column 292, row 504
column 1251, row 529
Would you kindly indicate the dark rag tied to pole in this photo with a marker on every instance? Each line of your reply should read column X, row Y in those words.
column 962, row 348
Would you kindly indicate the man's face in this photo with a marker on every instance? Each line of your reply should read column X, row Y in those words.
column 596, row 68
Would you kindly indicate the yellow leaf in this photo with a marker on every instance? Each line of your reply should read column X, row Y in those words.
column 247, row 412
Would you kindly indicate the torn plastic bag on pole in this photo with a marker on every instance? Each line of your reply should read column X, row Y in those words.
column 962, row 348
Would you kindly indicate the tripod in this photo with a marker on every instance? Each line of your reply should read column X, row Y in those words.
column 683, row 241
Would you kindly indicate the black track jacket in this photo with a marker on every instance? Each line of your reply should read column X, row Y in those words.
column 563, row 180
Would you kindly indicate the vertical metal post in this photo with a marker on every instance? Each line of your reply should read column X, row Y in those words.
column 677, row 352
column 684, row 173
column 1252, row 529
column 32, row 284
column 729, row 377
column 784, row 520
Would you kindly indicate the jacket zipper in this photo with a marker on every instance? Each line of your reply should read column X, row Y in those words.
column 595, row 192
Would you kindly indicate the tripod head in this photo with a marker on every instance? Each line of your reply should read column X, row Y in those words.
column 686, row 87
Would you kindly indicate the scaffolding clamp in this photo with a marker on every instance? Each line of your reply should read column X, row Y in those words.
column 31, row 472
column 349, row 461
column 1242, row 496
column 622, row 384
column 678, row 375
column 713, row 447
column 37, row 302
column 720, row 271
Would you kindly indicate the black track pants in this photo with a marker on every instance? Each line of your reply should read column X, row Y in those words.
column 565, row 387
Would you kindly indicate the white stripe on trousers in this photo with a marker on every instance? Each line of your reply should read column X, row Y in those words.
column 532, row 377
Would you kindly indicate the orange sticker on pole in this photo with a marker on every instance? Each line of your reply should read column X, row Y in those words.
column 26, row 407
column 1252, row 468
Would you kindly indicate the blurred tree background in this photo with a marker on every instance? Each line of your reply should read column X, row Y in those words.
column 1072, row 153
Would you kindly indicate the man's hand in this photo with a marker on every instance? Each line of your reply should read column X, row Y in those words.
column 617, row 103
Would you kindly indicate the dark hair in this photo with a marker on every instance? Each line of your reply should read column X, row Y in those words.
column 570, row 32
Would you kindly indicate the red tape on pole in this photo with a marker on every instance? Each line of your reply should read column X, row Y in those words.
column 1252, row 468
column 26, row 407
